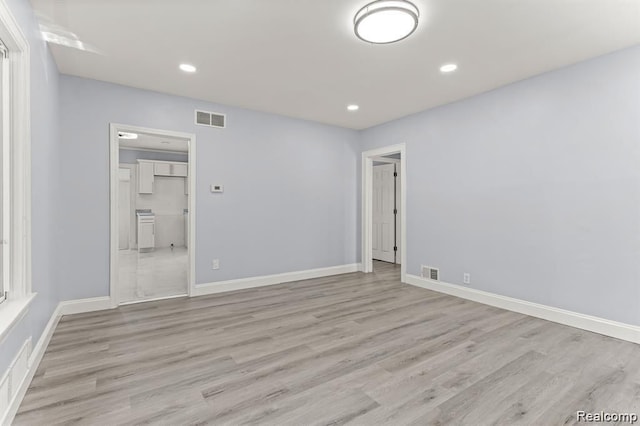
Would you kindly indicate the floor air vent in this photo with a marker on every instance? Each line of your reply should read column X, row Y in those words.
column 430, row 273
column 211, row 119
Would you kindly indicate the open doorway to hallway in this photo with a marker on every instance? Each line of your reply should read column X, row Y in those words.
column 151, row 218
column 384, row 208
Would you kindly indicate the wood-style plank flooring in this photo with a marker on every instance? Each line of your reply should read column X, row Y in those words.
column 351, row 349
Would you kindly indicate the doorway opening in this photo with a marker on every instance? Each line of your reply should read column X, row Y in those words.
column 152, row 221
column 384, row 210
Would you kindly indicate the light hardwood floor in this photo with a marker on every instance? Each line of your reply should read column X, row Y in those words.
column 356, row 349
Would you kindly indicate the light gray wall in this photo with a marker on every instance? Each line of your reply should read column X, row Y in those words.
column 129, row 156
column 45, row 155
column 533, row 188
column 290, row 186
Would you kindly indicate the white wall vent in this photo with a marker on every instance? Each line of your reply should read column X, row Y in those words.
column 430, row 273
column 211, row 119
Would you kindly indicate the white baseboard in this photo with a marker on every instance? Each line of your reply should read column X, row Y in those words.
column 607, row 327
column 80, row 306
column 244, row 283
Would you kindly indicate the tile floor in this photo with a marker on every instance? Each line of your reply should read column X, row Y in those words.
column 159, row 273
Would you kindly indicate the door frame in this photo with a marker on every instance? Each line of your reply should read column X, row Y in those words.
column 368, row 158
column 114, row 165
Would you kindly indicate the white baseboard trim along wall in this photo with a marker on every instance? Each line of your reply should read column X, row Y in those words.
column 287, row 277
column 615, row 329
column 81, row 306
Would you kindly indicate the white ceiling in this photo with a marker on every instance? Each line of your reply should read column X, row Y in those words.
column 300, row 58
column 155, row 143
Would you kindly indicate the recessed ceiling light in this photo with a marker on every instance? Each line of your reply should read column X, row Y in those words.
column 187, row 68
column 386, row 21
column 353, row 107
column 167, row 142
column 127, row 135
column 448, row 68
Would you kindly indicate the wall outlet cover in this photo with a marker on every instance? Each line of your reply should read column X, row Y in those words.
column 215, row 264
column 466, row 278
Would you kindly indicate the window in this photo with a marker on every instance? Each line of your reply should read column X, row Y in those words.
column 15, row 172
column 5, row 186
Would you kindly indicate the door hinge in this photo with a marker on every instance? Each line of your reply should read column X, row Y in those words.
column 395, row 174
column 395, row 211
column 395, row 248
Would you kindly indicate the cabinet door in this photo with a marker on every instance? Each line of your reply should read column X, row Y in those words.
column 146, row 235
column 163, row 169
column 179, row 170
column 145, row 178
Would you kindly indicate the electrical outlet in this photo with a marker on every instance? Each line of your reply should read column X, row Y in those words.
column 215, row 264
column 466, row 278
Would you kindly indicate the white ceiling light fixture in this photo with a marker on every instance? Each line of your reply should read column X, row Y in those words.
column 386, row 21
column 353, row 107
column 447, row 68
column 127, row 135
column 188, row 68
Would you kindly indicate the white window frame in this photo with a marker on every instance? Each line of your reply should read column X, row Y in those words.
column 5, row 168
column 17, row 129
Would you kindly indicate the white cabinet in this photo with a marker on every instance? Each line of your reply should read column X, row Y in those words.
column 162, row 169
column 145, row 177
column 147, row 169
column 146, row 233
column 179, row 169
column 166, row 168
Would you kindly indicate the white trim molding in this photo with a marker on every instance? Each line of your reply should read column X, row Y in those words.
column 607, row 327
column 34, row 361
column 12, row 311
column 64, row 308
column 15, row 382
column 367, row 205
column 265, row 280
column 80, row 306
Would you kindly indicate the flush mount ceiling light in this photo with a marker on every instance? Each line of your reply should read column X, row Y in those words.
column 187, row 68
column 447, row 68
column 127, row 135
column 353, row 107
column 386, row 21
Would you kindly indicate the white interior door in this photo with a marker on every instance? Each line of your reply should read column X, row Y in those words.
column 124, row 208
column 383, row 212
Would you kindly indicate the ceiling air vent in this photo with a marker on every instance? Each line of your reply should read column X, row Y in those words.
column 430, row 273
column 211, row 119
